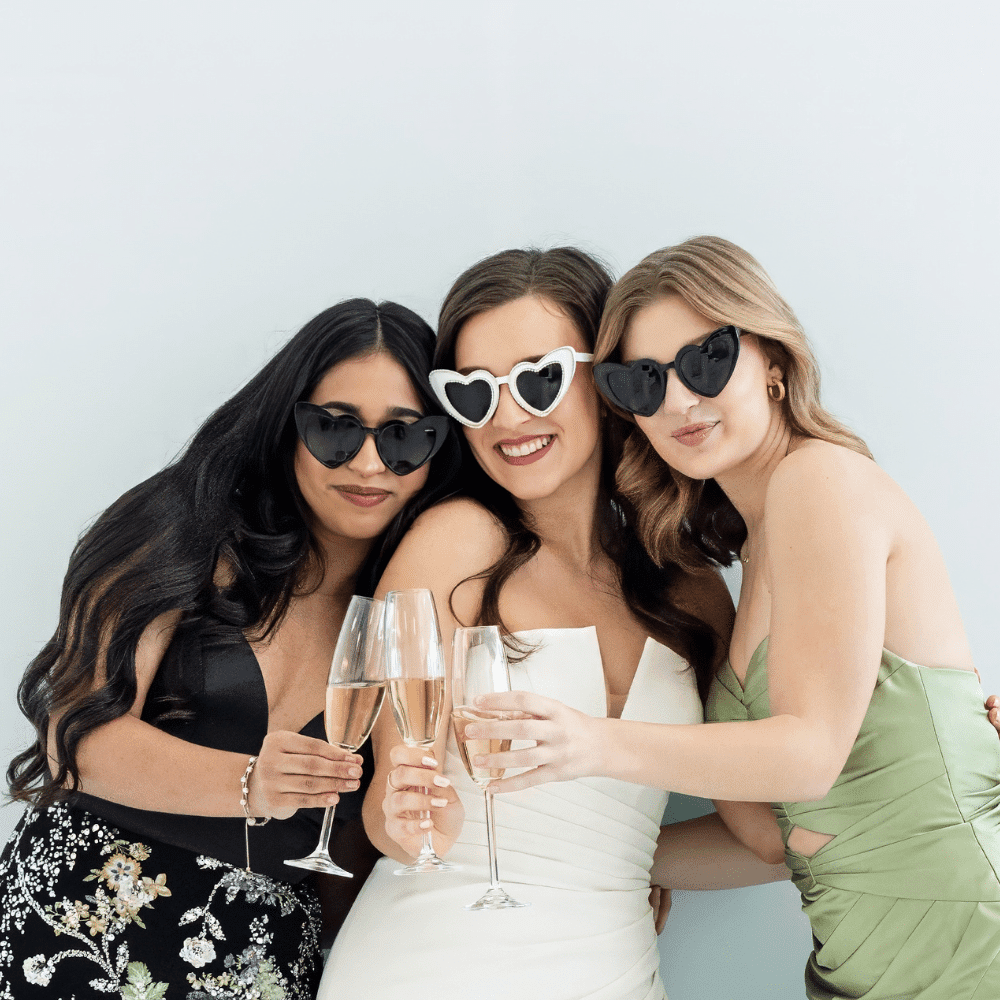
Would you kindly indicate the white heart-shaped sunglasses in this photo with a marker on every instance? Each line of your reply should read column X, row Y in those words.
column 537, row 386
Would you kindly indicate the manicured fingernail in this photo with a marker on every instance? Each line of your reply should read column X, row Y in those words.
column 440, row 803
column 426, row 824
column 351, row 785
column 428, row 762
column 332, row 800
column 441, row 781
column 354, row 772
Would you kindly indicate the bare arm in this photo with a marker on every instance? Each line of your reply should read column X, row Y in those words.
column 703, row 854
column 168, row 774
column 445, row 545
column 827, row 541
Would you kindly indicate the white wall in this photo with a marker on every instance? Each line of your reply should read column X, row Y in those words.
column 182, row 185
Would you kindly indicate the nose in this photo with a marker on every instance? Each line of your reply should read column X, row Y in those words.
column 366, row 462
column 509, row 413
column 679, row 398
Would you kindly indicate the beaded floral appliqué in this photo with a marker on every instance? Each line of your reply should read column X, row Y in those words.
column 126, row 886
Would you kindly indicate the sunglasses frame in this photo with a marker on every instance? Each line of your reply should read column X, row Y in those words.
column 566, row 357
column 605, row 369
column 303, row 410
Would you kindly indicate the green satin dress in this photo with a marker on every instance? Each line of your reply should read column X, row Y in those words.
column 904, row 902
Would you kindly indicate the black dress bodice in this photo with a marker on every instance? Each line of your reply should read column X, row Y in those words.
column 226, row 694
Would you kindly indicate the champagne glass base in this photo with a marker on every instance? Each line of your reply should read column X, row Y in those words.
column 319, row 861
column 429, row 864
column 496, row 899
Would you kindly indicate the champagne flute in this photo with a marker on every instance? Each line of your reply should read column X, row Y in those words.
column 355, row 688
column 479, row 666
column 415, row 680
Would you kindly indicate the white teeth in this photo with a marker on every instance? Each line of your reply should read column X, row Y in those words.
column 528, row 448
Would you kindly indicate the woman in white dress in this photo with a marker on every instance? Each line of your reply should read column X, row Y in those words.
column 541, row 546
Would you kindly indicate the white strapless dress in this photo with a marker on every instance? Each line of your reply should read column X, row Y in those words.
column 579, row 851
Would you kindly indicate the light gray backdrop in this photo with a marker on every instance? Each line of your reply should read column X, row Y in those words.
column 182, row 185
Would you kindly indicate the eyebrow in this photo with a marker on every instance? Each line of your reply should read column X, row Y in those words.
column 394, row 413
column 476, row 368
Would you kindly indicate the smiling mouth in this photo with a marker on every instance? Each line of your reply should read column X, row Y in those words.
column 524, row 446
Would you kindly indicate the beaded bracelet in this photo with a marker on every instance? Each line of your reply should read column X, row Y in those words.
column 245, row 803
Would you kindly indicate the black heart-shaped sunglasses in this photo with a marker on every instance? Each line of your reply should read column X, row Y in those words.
column 334, row 439
column 640, row 387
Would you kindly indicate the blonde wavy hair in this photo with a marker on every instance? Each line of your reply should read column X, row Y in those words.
column 681, row 519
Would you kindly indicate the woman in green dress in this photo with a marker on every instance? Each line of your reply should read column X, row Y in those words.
column 849, row 702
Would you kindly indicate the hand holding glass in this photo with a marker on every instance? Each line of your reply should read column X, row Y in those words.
column 415, row 679
column 479, row 666
column 354, row 691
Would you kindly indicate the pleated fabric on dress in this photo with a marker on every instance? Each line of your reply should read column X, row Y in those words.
column 579, row 851
column 904, row 901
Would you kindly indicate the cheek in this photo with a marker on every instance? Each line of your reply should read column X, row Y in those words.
column 305, row 468
column 474, row 439
column 411, row 485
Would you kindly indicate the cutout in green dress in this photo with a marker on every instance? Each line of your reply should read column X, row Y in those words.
column 905, row 900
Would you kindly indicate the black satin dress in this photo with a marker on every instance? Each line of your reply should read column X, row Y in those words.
column 97, row 898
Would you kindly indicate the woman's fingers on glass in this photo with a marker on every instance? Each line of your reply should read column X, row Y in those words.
column 311, row 765
column 522, row 728
column 416, row 777
column 530, row 757
column 518, row 782
column 411, row 802
column 522, row 702
column 401, row 754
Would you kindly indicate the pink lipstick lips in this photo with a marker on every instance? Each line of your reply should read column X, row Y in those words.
column 693, row 434
column 363, row 496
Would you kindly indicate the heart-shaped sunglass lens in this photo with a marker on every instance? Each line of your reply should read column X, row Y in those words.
column 706, row 369
column 637, row 387
column 405, row 447
column 539, row 389
column 472, row 400
column 332, row 440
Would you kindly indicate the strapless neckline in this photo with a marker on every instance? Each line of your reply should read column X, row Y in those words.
column 643, row 664
column 895, row 661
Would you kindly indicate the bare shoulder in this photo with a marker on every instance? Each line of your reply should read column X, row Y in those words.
column 705, row 595
column 448, row 543
column 819, row 476
column 459, row 525
column 815, row 464
column 826, row 499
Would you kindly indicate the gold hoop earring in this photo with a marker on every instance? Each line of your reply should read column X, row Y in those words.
column 776, row 390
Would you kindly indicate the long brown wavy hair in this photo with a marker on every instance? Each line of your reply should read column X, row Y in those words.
column 577, row 284
column 685, row 520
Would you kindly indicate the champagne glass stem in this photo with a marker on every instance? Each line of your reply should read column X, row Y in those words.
column 496, row 897
column 325, row 831
column 426, row 842
column 320, row 860
column 491, row 841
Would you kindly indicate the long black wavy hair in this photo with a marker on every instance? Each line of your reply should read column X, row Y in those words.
column 229, row 500
column 578, row 284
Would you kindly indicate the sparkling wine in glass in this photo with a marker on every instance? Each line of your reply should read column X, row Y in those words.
column 415, row 681
column 354, row 691
column 479, row 666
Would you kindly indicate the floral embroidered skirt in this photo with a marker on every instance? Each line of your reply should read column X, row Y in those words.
column 86, row 909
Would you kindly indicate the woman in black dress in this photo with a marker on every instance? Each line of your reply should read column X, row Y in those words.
column 197, row 624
